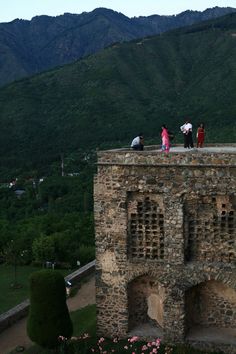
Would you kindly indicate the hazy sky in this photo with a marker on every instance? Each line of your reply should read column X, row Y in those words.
column 26, row 9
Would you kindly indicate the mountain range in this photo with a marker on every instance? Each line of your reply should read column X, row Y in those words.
column 30, row 47
column 108, row 97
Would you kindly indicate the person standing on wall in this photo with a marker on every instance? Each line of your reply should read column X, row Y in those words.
column 187, row 130
column 165, row 140
column 138, row 143
column 200, row 135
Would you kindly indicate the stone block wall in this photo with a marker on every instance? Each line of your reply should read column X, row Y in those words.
column 165, row 223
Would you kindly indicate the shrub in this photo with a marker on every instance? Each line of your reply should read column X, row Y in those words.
column 86, row 254
column 43, row 249
column 48, row 317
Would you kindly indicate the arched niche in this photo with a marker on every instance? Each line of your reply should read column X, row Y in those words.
column 210, row 308
column 146, row 299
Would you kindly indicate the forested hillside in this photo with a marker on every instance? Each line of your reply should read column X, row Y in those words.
column 51, row 220
column 29, row 47
column 108, row 97
column 52, row 123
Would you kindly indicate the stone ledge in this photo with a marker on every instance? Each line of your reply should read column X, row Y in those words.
column 81, row 273
column 13, row 315
column 178, row 156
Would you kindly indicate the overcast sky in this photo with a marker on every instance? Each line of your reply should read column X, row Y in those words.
column 26, row 9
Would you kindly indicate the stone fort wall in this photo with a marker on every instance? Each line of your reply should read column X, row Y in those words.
column 166, row 242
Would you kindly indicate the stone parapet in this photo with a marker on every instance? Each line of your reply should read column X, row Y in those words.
column 212, row 156
column 10, row 317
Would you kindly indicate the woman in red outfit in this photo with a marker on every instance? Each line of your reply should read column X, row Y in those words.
column 200, row 135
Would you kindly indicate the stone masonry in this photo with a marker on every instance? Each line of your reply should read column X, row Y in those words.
column 166, row 245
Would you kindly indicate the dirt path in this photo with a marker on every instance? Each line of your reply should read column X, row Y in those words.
column 16, row 335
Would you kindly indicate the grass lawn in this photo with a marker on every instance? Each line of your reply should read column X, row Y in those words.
column 10, row 297
column 84, row 321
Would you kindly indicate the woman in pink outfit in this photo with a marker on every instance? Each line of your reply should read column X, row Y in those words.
column 165, row 139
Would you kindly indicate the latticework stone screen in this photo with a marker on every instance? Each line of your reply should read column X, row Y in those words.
column 210, row 229
column 145, row 227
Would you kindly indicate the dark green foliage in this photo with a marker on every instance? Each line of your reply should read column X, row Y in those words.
column 43, row 249
column 55, row 216
column 48, row 317
column 13, row 253
column 85, row 253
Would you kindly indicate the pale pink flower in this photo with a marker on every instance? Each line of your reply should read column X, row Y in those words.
column 134, row 339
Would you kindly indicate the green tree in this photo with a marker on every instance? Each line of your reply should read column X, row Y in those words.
column 43, row 249
column 13, row 254
column 48, row 317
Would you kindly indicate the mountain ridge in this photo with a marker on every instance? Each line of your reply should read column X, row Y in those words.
column 29, row 47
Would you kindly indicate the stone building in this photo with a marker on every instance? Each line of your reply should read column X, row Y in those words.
column 166, row 245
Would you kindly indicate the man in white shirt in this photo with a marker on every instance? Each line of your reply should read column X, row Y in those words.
column 137, row 143
column 187, row 129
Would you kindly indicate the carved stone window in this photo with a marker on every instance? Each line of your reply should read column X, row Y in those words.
column 210, row 229
column 145, row 227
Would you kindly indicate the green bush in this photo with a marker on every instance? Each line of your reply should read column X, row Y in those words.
column 43, row 249
column 48, row 317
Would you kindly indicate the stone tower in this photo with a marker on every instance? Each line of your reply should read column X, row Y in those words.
column 166, row 245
